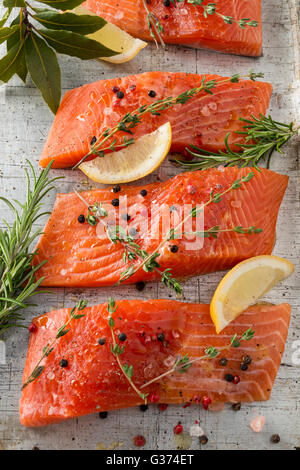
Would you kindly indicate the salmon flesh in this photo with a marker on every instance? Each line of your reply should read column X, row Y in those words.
column 80, row 255
column 86, row 112
column 93, row 381
column 184, row 23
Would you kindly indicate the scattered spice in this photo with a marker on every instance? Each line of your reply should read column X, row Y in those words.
column 143, row 192
column 174, row 248
column 178, row 428
column 243, row 366
column 229, row 377
column 167, row 3
column 236, row 379
column 115, row 202
column 101, row 341
column 103, row 414
column 115, row 89
column 116, row 188
column 206, row 401
column 32, row 328
column 81, row 219
column 120, row 95
column 143, row 407
column 126, row 217
column 139, row 441
column 63, row 363
column 247, row 360
column 223, row 361
column 93, row 140
column 236, row 406
column 140, row 286
column 152, row 93
column 161, row 337
column 122, row 337
column 162, row 406
column 154, row 398
column 203, row 440
column 275, row 438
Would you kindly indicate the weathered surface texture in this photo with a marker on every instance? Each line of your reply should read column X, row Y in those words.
column 24, row 124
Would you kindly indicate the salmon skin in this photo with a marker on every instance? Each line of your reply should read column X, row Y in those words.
column 92, row 381
column 78, row 255
column 185, row 23
column 204, row 120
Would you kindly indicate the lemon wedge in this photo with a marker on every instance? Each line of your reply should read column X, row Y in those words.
column 132, row 162
column 114, row 38
column 243, row 285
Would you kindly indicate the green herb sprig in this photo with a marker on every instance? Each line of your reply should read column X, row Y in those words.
column 17, row 274
column 117, row 350
column 47, row 350
column 149, row 261
column 184, row 363
column 263, row 136
column 36, row 34
column 209, row 9
column 131, row 120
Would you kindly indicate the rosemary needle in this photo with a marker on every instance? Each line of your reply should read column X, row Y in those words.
column 17, row 274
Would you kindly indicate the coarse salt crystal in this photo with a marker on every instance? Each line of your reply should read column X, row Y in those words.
column 196, row 431
column 257, row 423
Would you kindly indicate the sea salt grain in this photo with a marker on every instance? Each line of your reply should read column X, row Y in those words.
column 196, row 431
column 257, row 423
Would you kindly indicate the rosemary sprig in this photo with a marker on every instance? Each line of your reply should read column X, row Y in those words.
column 117, row 350
column 209, row 9
column 17, row 281
column 263, row 136
column 184, row 363
column 131, row 120
column 62, row 331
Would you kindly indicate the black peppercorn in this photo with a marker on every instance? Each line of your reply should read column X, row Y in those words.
column 63, row 363
column 203, row 440
column 275, row 438
column 152, row 93
column 229, row 377
column 115, row 89
column 102, row 341
column 122, row 337
column 236, row 406
column 126, row 217
column 223, row 361
column 93, row 140
column 143, row 407
column 103, row 414
column 174, row 248
column 247, row 359
column 161, row 337
column 167, row 3
column 140, row 285
column 115, row 202
column 243, row 366
column 81, row 219
column 116, row 188
column 143, row 192
column 120, row 94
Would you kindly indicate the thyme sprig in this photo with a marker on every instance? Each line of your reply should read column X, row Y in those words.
column 62, row 331
column 209, row 9
column 117, row 350
column 184, row 363
column 263, row 136
column 17, row 274
column 131, row 120
column 149, row 261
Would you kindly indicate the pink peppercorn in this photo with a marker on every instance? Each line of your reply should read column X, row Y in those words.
column 236, row 379
column 139, row 441
column 178, row 429
column 32, row 328
column 206, row 401
column 162, row 406
column 154, row 398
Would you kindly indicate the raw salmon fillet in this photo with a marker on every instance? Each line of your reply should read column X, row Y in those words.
column 205, row 120
column 78, row 257
column 185, row 23
column 93, row 382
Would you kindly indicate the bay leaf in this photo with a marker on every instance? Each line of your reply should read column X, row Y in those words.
column 82, row 24
column 62, row 4
column 44, row 70
column 9, row 63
